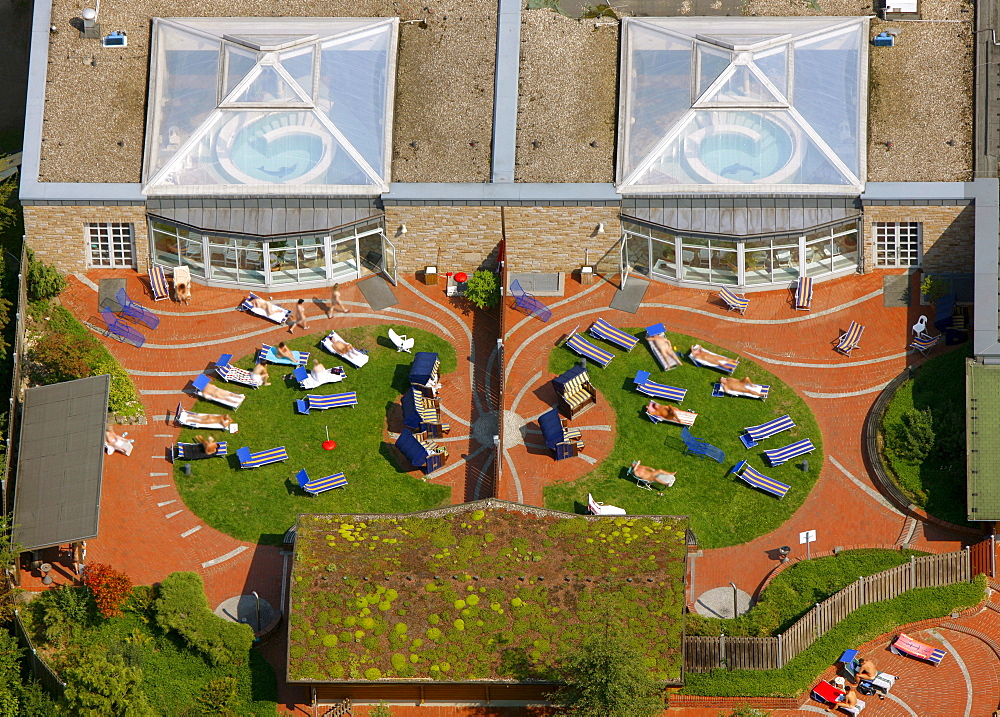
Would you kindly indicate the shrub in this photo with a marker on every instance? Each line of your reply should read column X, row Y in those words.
column 123, row 397
column 44, row 281
column 218, row 697
column 373, row 673
column 434, row 634
column 483, row 290
column 97, row 685
column 109, row 587
column 433, row 618
column 61, row 356
column 933, row 288
column 914, row 437
column 398, row 661
column 330, row 640
column 472, row 600
column 182, row 607
column 60, row 612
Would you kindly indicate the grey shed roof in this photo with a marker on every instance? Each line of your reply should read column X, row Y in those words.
column 57, row 492
column 982, row 413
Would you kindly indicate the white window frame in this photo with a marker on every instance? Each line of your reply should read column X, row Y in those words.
column 118, row 242
column 897, row 245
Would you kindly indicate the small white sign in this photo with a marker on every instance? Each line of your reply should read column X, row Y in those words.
column 808, row 536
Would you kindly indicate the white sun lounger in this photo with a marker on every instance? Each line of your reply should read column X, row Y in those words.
column 278, row 317
column 309, row 380
column 202, row 382
column 120, row 444
column 355, row 357
column 187, row 418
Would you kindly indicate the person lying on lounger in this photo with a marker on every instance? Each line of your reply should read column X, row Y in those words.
column 260, row 374
column 266, row 306
column 741, row 385
column 340, row 347
column 661, row 344
column 209, row 445
column 116, row 442
column 282, row 350
column 653, row 475
column 707, row 357
column 668, row 413
column 221, row 394
column 209, row 419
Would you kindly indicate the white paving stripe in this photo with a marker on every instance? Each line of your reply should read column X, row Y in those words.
column 593, row 428
column 961, row 666
column 452, row 439
column 591, row 460
column 193, row 530
column 157, row 487
column 902, row 704
column 524, row 390
column 875, row 495
column 847, row 394
column 162, row 435
column 556, row 305
column 231, row 554
column 513, row 472
column 421, row 318
column 166, row 502
column 452, row 416
column 176, row 512
column 151, row 392
column 158, row 474
column 845, row 364
column 477, row 491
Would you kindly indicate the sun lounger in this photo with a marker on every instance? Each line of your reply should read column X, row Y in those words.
column 279, row 317
column 790, row 452
column 924, row 343
column 228, row 372
column 196, row 420
column 647, row 483
column 759, row 480
column 308, row 380
column 666, row 362
column 586, row 349
column 158, row 286
column 120, row 444
column 356, row 357
column 597, row 508
column 402, row 343
column 804, row 293
column 906, row 645
column 685, row 418
column 601, row 329
column 575, row 391
column 736, row 302
column 698, row 447
column 195, row 451
column 719, row 390
column 850, row 339
column 657, row 390
column 269, row 354
column 120, row 330
column 724, row 363
column 315, row 487
column 134, row 311
column 261, row 458
column 756, row 434
column 827, row 693
column 422, row 454
column 199, row 386
column 336, row 400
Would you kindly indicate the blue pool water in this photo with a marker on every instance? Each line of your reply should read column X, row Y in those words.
column 281, row 159
column 739, row 157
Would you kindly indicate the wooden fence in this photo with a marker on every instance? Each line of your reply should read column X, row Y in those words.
column 21, row 310
column 41, row 671
column 702, row 654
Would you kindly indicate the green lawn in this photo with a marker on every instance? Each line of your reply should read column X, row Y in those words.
column 937, row 483
column 723, row 509
column 259, row 505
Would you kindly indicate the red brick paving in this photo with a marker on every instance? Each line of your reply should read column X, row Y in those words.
column 130, row 509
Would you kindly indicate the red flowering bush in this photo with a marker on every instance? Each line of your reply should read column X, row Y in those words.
column 109, row 587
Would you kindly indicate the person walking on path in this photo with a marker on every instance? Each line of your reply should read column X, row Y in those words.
column 299, row 317
column 335, row 303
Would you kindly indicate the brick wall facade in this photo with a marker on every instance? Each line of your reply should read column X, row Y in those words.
column 948, row 235
column 58, row 234
column 556, row 238
column 451, row 238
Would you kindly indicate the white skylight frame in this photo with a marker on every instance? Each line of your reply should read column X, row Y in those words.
column 273, row 41
column 664, row 164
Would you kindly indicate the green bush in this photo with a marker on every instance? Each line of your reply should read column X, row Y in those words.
column 183, row 607
column 44, row 281
column 60, row 613
column 483, row 290
column 218, row 697
column 61, row 356
column 98, row 685
column 914, row 436
column 933, row 288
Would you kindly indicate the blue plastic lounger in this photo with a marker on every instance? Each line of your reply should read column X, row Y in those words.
column 804, row 293
column 308, row 380
column 269, row 354
column 228, row 372
column 336, row 400
column 315, row 487
column 601, row 329
column 262, row 458
column 924, row 343
column 279, row 316
column 723, row 363
column 718, row 390
column 698, row 447
column 528, row 303
column 121, row 330
column 158, row 283
column 134, row 311
column 759, row 480
column 233, row 400
column 736, row 302
column 850, row 339
column 586, row 349
column 657, row 390
column 756, row 434
column 666, row 362
column 195, row 451
column 790, row 452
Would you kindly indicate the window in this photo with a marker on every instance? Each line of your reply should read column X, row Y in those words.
column 897, row 243
column 110, row 245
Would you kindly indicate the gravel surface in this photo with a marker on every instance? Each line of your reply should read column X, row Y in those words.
column 95, row 110
column 567, row 99
column 920, row 91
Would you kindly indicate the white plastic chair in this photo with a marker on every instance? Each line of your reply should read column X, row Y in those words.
column 597, row 508
column 402, row 343
column 920, row 328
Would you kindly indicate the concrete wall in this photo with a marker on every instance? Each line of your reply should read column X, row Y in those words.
column 948, row 235
column 58, row 235
column 556, row 238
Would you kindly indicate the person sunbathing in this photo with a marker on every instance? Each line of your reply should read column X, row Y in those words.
column 662, row 346
column 208, row 419
column 209, row 445
column 340, row 346
column 849, row 700
column 266, row 306
column 668, row 413
column 259, row 374
column 868, row 670
column 742, row 385
column 282, row 350
column 707, row 357
column 118, row 443
column 318, row 370
column 653, row 475
column 221, row 394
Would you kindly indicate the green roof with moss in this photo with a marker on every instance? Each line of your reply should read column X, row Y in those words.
column 487, row 590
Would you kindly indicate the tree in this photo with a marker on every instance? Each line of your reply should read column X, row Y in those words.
column 8, row 556
column 483, row 289
column 109, row 587
column 10, row 654
column 608, row 678
column 98, row 685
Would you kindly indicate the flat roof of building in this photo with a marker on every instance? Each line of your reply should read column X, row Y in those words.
column 982, row 412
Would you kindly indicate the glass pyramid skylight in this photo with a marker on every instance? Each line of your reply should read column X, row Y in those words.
column 286, row 106
column 743, row 105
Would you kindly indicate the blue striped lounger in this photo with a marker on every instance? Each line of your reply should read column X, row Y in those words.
column 262, row 458
column 756, row 434
column 657, row 390
column 759, row 480
column 601, row 329
column 793, row 450
column 588, row 350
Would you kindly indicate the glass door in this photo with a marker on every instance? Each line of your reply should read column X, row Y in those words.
column 624, row 268
column 389, row 259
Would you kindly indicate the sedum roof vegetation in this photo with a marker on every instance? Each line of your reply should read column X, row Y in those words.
column 473, row 594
